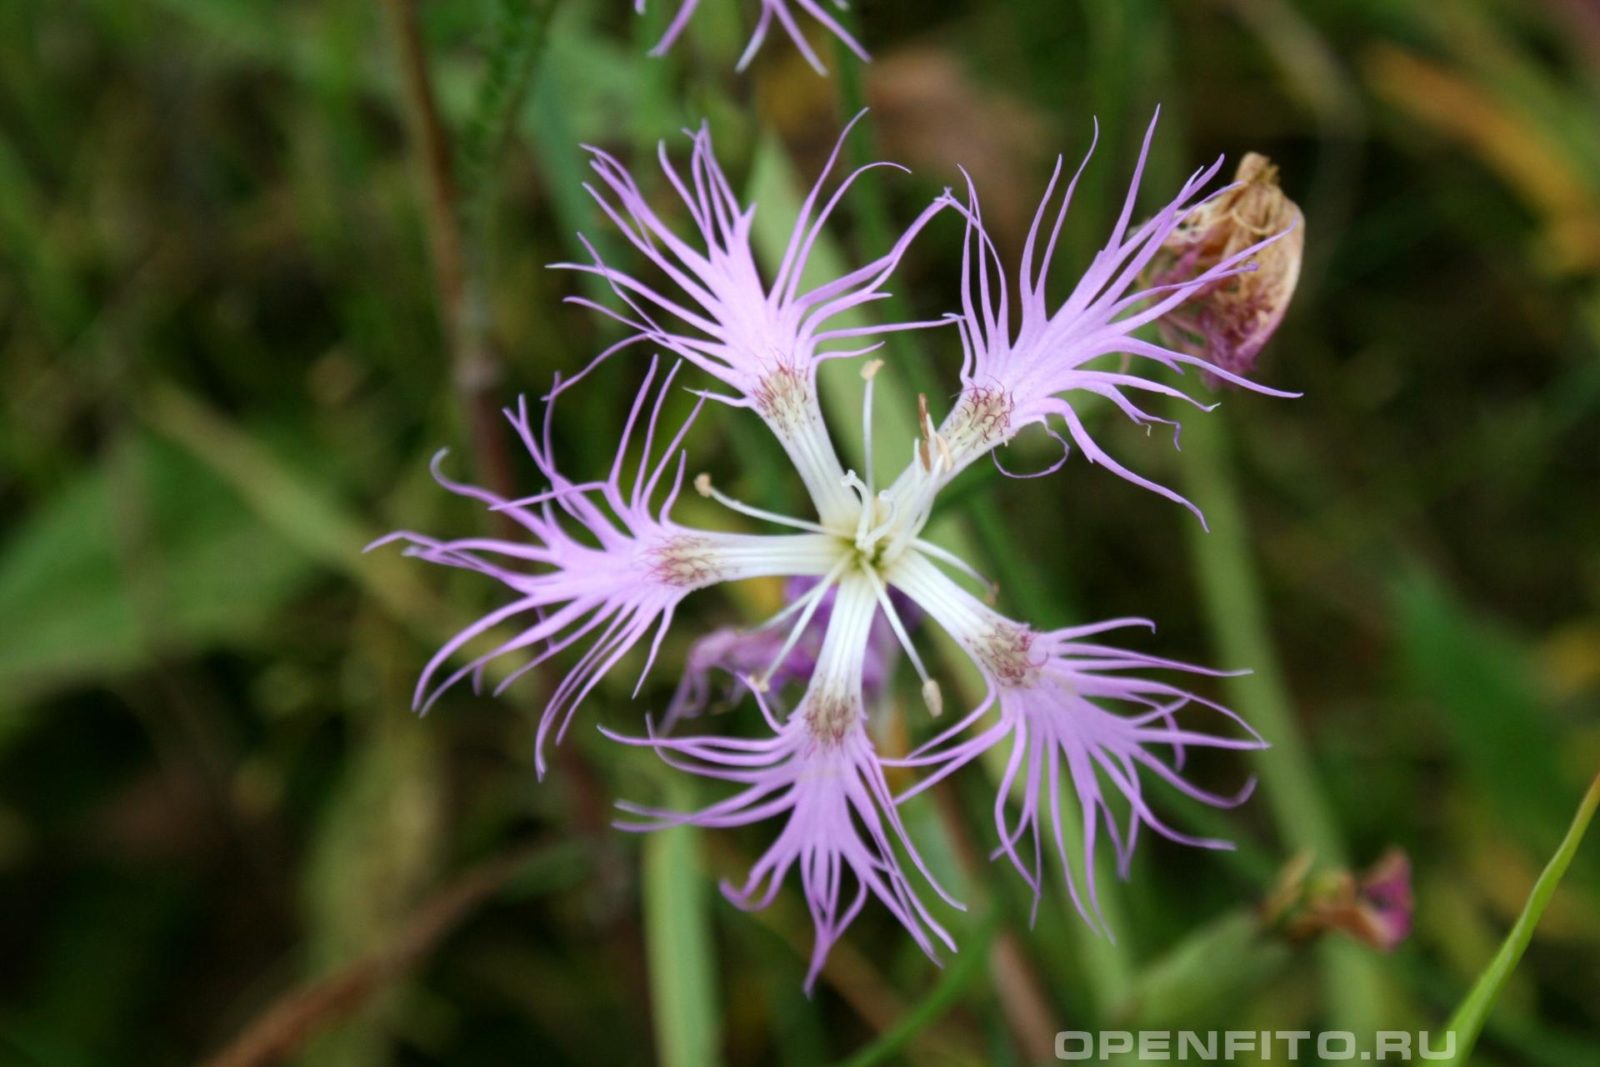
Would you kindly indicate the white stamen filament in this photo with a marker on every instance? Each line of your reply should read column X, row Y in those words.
column 950, row 559
column 868, row 373
column 935, row 705
column 962, row 615
column 866, row 539
column 807, row 605
column 864, row 514
column 703, row 486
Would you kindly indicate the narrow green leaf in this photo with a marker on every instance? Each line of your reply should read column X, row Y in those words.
column 375, row 851
column 301, row 512
column 1467, row 1022
column 680, row 948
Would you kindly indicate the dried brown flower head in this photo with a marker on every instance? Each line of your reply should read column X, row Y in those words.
column 1230, row 322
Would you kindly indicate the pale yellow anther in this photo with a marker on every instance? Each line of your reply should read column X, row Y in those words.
column 702, row 484
column 933, row 697
column 924, row 425
column 871, row 369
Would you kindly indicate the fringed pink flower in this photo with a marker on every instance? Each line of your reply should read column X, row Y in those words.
column 1022, row 364
column 600, row 565
column 780, row 11
column 764, row 341
column 1055, row 694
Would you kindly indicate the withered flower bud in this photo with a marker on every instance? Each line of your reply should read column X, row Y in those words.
column 1229, row 322
column 1375, row 908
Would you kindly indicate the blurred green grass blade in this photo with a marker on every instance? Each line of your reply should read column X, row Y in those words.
column 1240, row 628
column 518, row 36
column 1202, row 979
column 1467, row 1022
column 554, row 123
column 135, row 559
column 375, row 852
column 307, row 516
column 682, row 953
column 1477, row 681
column 1237, row 617
column 958, row 975
column 302, row 512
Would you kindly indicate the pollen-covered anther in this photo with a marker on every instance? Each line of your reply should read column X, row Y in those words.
column 1007, row 650
column 685, row 562
column 702, row 484
column 925, row 427
column 933, row 697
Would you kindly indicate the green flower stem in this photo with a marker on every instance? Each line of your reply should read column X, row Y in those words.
column 461, row 307
column 679, row 946
column 519, row 36
column 1236, row 614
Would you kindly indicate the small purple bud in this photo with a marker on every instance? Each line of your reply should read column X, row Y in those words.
column 1386, row 901
column 1375, row 908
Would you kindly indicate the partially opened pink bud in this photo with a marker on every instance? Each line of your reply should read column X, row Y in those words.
column 1375, row 908
column 1230, row 322
column 1386, row 901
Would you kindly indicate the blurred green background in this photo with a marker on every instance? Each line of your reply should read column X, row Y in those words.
column 226, row 361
